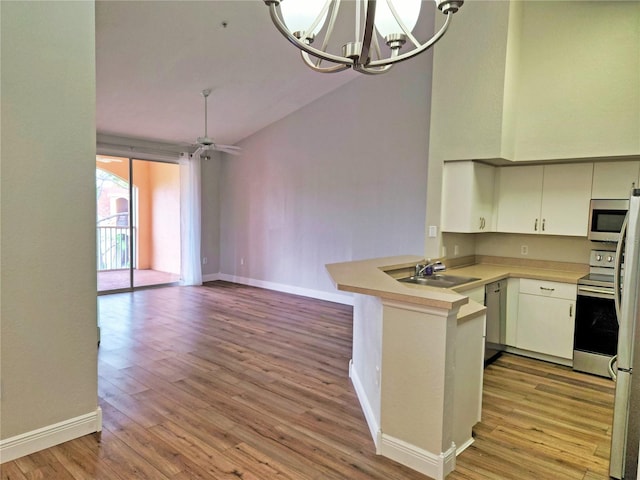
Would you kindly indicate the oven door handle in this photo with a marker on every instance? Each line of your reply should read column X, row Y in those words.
column 595, row 292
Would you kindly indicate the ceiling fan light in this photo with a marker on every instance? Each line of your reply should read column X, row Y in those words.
column 385, row 21
column 300, row 15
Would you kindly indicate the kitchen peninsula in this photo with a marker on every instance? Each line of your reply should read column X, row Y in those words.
column 417, row 362
column 417, row 359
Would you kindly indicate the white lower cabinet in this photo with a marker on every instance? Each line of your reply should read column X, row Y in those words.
column 545, row 321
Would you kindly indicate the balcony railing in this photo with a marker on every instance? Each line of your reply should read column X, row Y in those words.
column 113, row 244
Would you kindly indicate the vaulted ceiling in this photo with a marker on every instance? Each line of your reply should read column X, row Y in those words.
column 155, row 57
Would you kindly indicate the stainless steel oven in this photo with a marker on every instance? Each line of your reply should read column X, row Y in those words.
column 596, row 328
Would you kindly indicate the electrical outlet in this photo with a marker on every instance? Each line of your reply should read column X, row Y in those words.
column 377, row 375
column 433, row 231
column 204, row 260
column 241, row 260
column 524, row 250
column 456, row 250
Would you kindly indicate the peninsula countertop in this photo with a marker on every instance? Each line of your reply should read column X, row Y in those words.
column 370, row 277
column 378, row 277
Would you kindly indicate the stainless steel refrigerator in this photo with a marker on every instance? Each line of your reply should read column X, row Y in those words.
column 625, row 436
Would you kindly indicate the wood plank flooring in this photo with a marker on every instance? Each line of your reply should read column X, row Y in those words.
column 227, row 381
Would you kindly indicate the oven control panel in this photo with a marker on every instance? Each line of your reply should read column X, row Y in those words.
column 602, row 258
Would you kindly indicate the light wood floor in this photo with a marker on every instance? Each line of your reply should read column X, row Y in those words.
column 228, row 382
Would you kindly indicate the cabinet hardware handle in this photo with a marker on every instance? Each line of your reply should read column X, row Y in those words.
column 535, row 227
column 543, row 221
column 547, row 289
column 571, row 310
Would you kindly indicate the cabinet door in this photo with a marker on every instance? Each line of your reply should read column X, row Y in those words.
column 566, row 193
column 484, row 196
column 614, row 179
column 519, row 199
column 545, row 325
column 467, row 197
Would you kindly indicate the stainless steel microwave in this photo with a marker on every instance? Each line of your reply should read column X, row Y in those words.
column 606, row 218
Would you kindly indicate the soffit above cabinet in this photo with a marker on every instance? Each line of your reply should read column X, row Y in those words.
column 503, row 88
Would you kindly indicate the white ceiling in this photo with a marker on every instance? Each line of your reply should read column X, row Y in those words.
column 155, row 57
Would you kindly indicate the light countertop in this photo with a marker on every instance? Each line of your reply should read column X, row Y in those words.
column 369, row 277
column 377, row 277
column 490, row 273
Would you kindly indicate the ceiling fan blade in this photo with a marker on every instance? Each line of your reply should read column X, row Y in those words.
column 228, row 147
column 199, row 150
column 231, row 149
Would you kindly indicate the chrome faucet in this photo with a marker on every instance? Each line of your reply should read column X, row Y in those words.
column 429, row 268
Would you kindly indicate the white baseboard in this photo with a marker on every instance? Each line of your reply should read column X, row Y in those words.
column 541, row 356
column 464, row 446
column 369, row 415
column 436, row 466
column 343, row 298
column 211, row 277
column 46, row 437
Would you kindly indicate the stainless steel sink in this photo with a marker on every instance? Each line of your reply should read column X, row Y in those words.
column 439, row 280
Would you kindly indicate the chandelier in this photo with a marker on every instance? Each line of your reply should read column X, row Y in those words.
column 392, row 21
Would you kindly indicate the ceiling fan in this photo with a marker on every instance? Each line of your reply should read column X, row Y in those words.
column 206, row 144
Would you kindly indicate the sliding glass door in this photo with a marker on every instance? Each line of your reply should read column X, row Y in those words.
column 138, row 223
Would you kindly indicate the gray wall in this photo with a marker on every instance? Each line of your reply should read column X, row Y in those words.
column 47, row 258
column 341, row 179
column 210, row 201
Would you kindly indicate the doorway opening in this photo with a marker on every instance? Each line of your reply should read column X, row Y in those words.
column 138, row 223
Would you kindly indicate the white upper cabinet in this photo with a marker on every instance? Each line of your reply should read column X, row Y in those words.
column 519, row 199
column 467, row 198
column 614, row 179
column 548, row 200
column 566, row 194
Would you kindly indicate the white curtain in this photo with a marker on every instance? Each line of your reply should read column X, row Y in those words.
column 190, row 219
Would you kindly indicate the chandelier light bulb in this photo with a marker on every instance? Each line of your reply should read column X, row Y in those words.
column 300, row 15
column 386, row 23
column 381, row 31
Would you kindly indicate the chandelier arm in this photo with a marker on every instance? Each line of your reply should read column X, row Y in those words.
column 372, row 71
column 376, row 47
column 369, row 24
column 404, row 28
column 320, row 15
column 277, row 21
column 306, row 58
column 335, row 7
column 376, row 70
column 417, row 51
